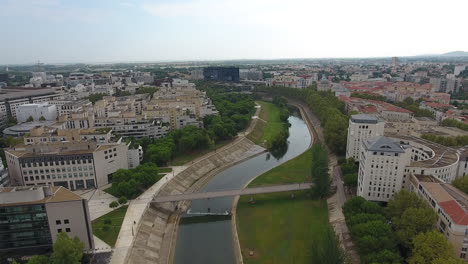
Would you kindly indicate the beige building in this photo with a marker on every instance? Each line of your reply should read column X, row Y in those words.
column 450, row 204
column 71, row 164
column 361, row 127
column 47, row 211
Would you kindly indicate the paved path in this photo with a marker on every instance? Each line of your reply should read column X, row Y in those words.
column 134, row 214
column 98, row 202
column 215, row 194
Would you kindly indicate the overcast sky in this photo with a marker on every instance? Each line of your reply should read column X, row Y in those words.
column 62, row 31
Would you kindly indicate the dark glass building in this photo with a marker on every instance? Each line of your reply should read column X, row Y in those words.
column 32, row 216
column 224, row 74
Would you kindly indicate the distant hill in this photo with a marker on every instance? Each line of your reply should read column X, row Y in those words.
column 455, row 54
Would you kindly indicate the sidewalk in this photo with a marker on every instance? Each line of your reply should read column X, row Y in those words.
column 134, row 214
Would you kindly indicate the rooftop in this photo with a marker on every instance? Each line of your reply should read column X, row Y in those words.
column 383, row 144
column 11, row 93
column 366, row 119
column 443, row 156
column 36, row 195
column 453, row 201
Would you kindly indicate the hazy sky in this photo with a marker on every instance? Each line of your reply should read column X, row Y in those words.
column 55, row 31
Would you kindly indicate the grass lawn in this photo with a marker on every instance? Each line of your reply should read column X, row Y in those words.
column 265, row 132
column 165, row 170
column 278, row 228
column 117, row 217
column 187, row 157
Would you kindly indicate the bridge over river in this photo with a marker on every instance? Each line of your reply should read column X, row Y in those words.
column 225, row 193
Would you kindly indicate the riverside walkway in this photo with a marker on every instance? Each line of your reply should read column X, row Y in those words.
column 248, row 191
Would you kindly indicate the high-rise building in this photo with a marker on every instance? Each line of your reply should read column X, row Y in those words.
column 381, row 168
column 226, row 74
column 31, row 218
column 394, row 61
column 362, row 127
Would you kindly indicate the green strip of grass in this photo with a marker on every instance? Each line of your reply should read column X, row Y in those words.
column 277, row 227
column 165, row 170
column 110, row 237
column 266, row 132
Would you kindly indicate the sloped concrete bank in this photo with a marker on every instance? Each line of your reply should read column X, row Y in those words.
column 155, row 236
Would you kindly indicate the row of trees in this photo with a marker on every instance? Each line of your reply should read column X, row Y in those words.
column 279, row 142
column 329, row 109
column 447, row 141
column 461, row 183
column 132, row 182
column 349, row 169
column 405, row 229
column 320, row 176
column 454, row 123
column 412, row 105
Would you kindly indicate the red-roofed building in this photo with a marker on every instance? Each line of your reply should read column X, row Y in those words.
column 450, row 204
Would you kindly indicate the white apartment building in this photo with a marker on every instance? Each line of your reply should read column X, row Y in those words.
column 74, row 165
column 45, row 111
column 362, row 127
column 381, row 168
column 134, row 156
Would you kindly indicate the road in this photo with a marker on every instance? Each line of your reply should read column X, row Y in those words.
column 207, row 195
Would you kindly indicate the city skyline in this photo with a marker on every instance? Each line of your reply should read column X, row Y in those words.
column 56, row 31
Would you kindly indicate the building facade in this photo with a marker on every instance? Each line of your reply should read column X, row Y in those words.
column 31, row 217
column 362, row 127
column 381, row 168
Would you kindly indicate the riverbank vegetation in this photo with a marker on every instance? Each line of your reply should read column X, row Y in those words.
column 133, row 182
column 107, row 227
column 235, row 112
column 271, row 130
column 286, row 228
column 398, row 232
column 328, row 108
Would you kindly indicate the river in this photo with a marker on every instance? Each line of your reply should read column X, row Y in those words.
column 211, row 242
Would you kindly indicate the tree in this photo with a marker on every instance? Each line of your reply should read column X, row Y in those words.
column 412, row 222
column 461, row 183
column 329, row 250
column 67, row 250
column 30, row 119
column 123, row 200
column 383, row 257
column 351, row 179
column 113, row 204
column 402, row 201
column 42, row 118
column 40, row 259
column 320, row 176
column 429, row 247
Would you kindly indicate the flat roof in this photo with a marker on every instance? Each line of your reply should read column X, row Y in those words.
column 443, row 156
column 12, row 93
column 366, row 119
column 59, row 194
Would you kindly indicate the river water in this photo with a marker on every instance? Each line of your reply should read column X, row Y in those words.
column 211, row 242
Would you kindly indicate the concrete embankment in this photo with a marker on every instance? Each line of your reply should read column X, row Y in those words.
column 155, row 239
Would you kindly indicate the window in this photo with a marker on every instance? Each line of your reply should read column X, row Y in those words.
column 66, row 221
column 59, row 230
column 68, row 230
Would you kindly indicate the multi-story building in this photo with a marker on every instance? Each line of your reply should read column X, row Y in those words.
column 362, row 127
column 135, row 156
column 451, row 206
column 227, row 74
column 4, row 178
column 31, row 217
column 381, row 168
column 74, row 165
column 37, row 111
